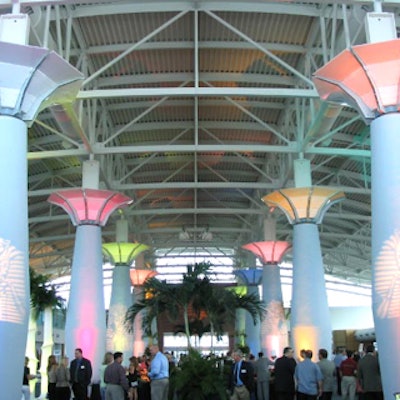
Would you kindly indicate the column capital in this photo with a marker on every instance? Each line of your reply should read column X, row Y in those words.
column 304, row 204
column 139, row 276
column 122, row 253
column 34, row 78
column 365, row 77
column 89, row 206
column 251, row 276
column 268, row 252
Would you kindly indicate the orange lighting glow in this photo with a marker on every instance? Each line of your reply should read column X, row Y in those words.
column 304, row 204
column 139, row 276
column 365, row 77
column 306, row 337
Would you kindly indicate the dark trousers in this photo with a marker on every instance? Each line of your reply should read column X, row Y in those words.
column 338, row 381
column 326, row 396
column 304, row 396
column 51, row 390
column 373, row 396
column 284, row 395
column 80, row 391
column 63, row 393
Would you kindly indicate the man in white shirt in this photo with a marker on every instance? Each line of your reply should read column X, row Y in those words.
column 159, row 374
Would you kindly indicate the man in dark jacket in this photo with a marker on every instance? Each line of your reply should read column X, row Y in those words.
column 81, row 374
column 242, row 377
column 284, row 375
column 369, row 375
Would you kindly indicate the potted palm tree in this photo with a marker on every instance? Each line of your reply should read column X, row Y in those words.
column 174, row 300
column 221, row 304
column 197, row 378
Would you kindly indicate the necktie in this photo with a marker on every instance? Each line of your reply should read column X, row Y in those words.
column 78, row 365
column 236, row 373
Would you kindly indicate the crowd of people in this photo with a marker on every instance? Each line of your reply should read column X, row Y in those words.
column 144, row 379
column 348, row 374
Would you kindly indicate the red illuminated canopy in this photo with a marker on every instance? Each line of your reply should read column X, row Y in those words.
column 366, row 77
column 269, row 252
column 89, row 206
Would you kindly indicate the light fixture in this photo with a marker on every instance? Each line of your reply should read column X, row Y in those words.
column 196, row 233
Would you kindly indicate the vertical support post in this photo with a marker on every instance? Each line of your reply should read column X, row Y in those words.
column 385, row 142
column 305, row 208
column 310, row 321
column 86, row 319
column 14, row 277
column 139, row 344
column 253, row 331
column 274, row 332
column 47, row 347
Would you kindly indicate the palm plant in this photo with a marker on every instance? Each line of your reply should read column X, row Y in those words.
column 44, row 298
column 155, row 300
column 159, row 297
column 221, row 304
column 198, row 378
column 43, row 294
column 196, row 328
column 195, row 291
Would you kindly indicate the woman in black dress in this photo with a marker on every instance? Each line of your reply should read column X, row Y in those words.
column 133, row 378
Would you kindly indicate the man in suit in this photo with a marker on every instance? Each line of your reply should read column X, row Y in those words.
column 328, row 370
column 81, row 374
column 369, row 375
column 242, row 377
column 285, row 367
column 262, row 370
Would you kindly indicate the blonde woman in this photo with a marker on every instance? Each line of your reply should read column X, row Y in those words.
column 51, row 376
column 108, row 359
column 133, row 378
column 63, row 377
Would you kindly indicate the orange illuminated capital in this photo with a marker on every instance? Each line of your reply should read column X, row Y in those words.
column 365, row 77
column 304, row 204
column 139, row 276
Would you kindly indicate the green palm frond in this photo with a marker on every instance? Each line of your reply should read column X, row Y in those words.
column 252, row 304
column 196, row 327
column 43, row 294
column 196, row 292
column 198, row 379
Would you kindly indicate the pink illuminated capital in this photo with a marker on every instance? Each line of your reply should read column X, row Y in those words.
column 140, row 276
column 365, row 77
column 268, row 252
column 89, row 206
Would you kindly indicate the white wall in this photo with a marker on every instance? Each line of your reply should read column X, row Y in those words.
column 349, row 318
